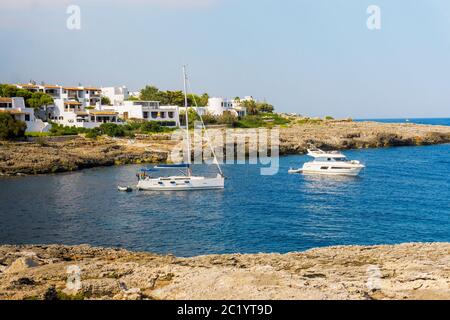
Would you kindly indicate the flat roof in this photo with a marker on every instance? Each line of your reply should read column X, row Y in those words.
column 13, row 111
column 5, row 100
column 73, row 88
column 103, row 113
column 29, row 85
column 72, row 103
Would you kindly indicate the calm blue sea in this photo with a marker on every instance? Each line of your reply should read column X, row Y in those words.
column 402, row 196
column 433, row 121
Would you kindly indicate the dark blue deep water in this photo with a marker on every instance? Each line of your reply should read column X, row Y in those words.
column 403, row 196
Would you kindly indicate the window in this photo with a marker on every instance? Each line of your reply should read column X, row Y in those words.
column 154, row 115
column 27, row 117
column 145, row 115
column 171, row 115
column 92, row 118
column 163, row 115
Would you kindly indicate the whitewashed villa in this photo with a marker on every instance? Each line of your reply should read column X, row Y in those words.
column 16, row 107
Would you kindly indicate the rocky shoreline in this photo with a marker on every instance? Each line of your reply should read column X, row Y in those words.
column 53, row 155
column 406, row 271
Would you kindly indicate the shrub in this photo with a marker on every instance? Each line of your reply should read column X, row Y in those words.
column 92, row 134
column 112, row 129
column 60, row 130
column 227, row 118
column 10, row 128
column 149, row 127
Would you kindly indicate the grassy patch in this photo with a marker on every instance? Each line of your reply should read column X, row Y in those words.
column 262, row 120
column 37, row 134
column 63, row 296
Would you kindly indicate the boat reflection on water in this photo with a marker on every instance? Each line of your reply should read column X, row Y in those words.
column 332, row 185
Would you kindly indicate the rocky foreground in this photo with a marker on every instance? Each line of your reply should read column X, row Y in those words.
column 52, row 155
column 42, row 156
column 407, row 271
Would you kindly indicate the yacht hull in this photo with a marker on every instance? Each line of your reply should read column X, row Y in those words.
column 181, row 184
column 352, row 173
column 326, row 169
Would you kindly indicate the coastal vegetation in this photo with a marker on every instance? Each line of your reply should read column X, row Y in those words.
column 10, row 128
column 105, row 101
column 172, row 98
column 128, row 130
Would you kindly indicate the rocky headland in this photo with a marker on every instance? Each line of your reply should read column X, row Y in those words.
column 407, row 271
column 52, row 155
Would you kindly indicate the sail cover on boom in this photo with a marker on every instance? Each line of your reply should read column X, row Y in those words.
column 173, row 166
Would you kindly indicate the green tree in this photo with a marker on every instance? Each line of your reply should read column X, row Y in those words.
column 10, row 128
column 151, row 93
column 8, row 91
column 203, row 100
column 105, row 101
column 265, row 107
column 251, row 106
column 25, row 94
column 174, row 98
column 193, row 117
column 39, row 99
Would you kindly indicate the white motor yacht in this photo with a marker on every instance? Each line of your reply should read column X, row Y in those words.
column 330, row 163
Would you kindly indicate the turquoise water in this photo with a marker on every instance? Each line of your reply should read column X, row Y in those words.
column 433, row 121
column 402, row 196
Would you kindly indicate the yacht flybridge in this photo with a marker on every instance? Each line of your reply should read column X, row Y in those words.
column 184, row 181
column 329, row 163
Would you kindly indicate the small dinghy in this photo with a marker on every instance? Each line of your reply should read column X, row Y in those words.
column 124, row 189
column 295, row 171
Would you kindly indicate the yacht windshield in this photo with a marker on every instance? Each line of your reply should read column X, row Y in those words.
column 325, row 159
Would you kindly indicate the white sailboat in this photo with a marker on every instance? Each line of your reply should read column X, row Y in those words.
column 185, row 181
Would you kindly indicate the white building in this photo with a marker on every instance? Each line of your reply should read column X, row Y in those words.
column 117, row 95
column 217, row 106
column 149, row 111
column 16, row 107
column 81, row 106
column 75, row 106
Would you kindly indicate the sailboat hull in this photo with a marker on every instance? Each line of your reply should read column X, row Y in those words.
column 181, row 183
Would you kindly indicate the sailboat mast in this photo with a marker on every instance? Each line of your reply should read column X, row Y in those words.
column 188, row 138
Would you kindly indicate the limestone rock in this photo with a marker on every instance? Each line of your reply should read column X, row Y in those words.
column 22, row 264
column 406, row 271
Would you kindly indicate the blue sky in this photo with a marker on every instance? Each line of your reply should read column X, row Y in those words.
column 313, row 57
